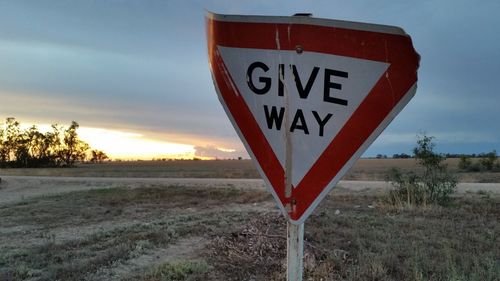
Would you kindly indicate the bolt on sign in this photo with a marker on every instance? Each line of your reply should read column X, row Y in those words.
column 307, row 96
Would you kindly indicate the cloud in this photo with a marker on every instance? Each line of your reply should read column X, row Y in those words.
column 143, row 67
column 211, row 151
column 471, row 137
column 394, row 138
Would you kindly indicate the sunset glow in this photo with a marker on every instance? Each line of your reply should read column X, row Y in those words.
column 130, row 146
column 137, row 78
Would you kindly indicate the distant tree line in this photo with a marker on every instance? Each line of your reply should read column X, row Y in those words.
column 488, row 155
column 401, row 156
column 486, row 162
column 30, row 148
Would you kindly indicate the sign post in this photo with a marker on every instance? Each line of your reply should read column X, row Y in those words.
column 307, row 96
column 295, row 251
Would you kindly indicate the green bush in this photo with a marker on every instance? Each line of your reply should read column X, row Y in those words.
column 408, row 190
column 464, row 163
column 488, row 160
column 475, row 167
column 432, row 186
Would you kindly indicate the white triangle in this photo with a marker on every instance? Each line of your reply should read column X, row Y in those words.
column 306, row 148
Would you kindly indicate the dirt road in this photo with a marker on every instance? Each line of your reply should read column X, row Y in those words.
column 14, row 188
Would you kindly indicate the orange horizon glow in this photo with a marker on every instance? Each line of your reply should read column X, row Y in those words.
column 121, row 145
column 133, row 146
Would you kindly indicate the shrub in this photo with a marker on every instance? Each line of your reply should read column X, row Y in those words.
column 488, row 160
column 408, row 189
column 475, row 167
column 434, row 185
column 496, row 168
column 464, row 163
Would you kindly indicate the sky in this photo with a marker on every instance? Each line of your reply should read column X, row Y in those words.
column 134, row 74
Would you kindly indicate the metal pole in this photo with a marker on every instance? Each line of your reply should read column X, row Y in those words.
column 295, row 251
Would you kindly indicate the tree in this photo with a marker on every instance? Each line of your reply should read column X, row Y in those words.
column 21, row 151
column 424, row 152
column 439, row 183
column 3, row 149
column 401, row 156
column 73, row 148
column 31, row 148
column 11, row 138
column 53, row 144
column 98, row 156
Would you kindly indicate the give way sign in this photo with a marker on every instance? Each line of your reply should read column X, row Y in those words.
column 307, row 96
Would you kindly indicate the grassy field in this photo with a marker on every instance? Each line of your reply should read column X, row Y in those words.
column 364, row 169
column 187, row 233
column 149, row 169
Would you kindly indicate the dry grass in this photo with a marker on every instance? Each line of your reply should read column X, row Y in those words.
column 352, row 236
column 364, row 169
column 179, row 270
column 368, row 240
column 149, row 169
column 377, row 169
column 73, row 236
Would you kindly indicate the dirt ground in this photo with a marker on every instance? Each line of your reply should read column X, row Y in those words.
column 15, row 188
column 114, row 233
column 164, row 232
column 125, row 224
